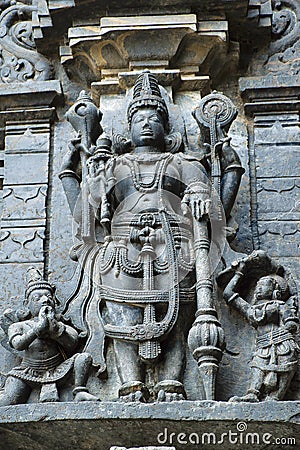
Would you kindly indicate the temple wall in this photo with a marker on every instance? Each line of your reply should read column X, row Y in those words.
column 243, row 50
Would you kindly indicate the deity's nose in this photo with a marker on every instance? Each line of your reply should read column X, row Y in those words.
column 146, row 123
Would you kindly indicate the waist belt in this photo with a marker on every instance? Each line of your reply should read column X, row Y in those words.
column 43, row 364
column 274, row 337
column 140, row 297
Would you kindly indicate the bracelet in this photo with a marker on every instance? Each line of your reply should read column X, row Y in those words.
column 232, row 298
column 239, row 273
column 196, row 190
column 233, row 167
column 68, row 173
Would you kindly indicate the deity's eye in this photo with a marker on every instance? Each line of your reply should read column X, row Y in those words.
column 155, row 118
column 138, row 119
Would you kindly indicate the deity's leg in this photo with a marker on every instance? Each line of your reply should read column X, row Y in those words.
column 129, row 365
column 254, row 390
column 172, row 365
column 15, row 391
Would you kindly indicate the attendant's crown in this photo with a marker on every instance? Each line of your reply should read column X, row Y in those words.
column 36, row 281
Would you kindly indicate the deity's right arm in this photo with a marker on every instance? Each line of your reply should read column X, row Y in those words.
column 21, row 336
column 100, row 181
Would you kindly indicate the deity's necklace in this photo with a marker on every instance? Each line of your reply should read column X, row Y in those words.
column 153, row 185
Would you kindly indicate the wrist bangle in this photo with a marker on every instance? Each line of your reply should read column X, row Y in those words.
column 232, row 298
column 241, row 274
column 69, row 174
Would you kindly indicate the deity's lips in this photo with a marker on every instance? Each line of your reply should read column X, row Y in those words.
column 147, row 133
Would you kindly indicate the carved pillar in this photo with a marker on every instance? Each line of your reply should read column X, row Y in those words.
column 274, row 159
column 27, row 145
column 26, row 113
column 273, row 101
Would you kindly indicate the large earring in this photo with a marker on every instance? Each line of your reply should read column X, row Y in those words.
column 173, row 142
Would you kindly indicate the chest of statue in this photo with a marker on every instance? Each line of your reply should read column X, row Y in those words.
column 147, row 176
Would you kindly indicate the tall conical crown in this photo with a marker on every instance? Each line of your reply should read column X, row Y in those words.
column 146, row 92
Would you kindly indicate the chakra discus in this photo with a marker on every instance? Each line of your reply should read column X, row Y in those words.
column 216, row 108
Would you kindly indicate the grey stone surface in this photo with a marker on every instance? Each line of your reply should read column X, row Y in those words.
column 103, row 425
column 188, row 45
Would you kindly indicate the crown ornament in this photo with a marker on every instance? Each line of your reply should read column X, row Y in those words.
column 146, row 92
column 36, row 281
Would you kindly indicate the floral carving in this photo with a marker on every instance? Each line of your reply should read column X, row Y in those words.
column 19, row 60
column 282, row 55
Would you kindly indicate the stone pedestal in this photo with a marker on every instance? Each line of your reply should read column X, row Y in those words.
column 179, row 425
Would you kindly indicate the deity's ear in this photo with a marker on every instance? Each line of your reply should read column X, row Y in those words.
column 173, row 142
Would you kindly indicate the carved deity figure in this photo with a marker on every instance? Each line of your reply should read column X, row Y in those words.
column 44, row 342
column 274, row 314
column 152, row 202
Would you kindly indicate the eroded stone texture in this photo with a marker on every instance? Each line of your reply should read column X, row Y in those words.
column 103, row 425
column 191, row 49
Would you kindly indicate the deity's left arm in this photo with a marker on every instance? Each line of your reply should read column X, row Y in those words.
column 231, row 174
column 196, row 202
column 289, row 314
column 197, row 193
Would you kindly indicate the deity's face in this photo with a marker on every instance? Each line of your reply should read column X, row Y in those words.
column 39, row 298
column 264, row 289
column 147, row 129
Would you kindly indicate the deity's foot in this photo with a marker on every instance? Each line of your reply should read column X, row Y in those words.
column 251, row 397
column 81, row 394
column 169, row 391
column 134, row 391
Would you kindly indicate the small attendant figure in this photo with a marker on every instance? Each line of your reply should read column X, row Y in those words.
column 274, row 315
column 44, row 342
